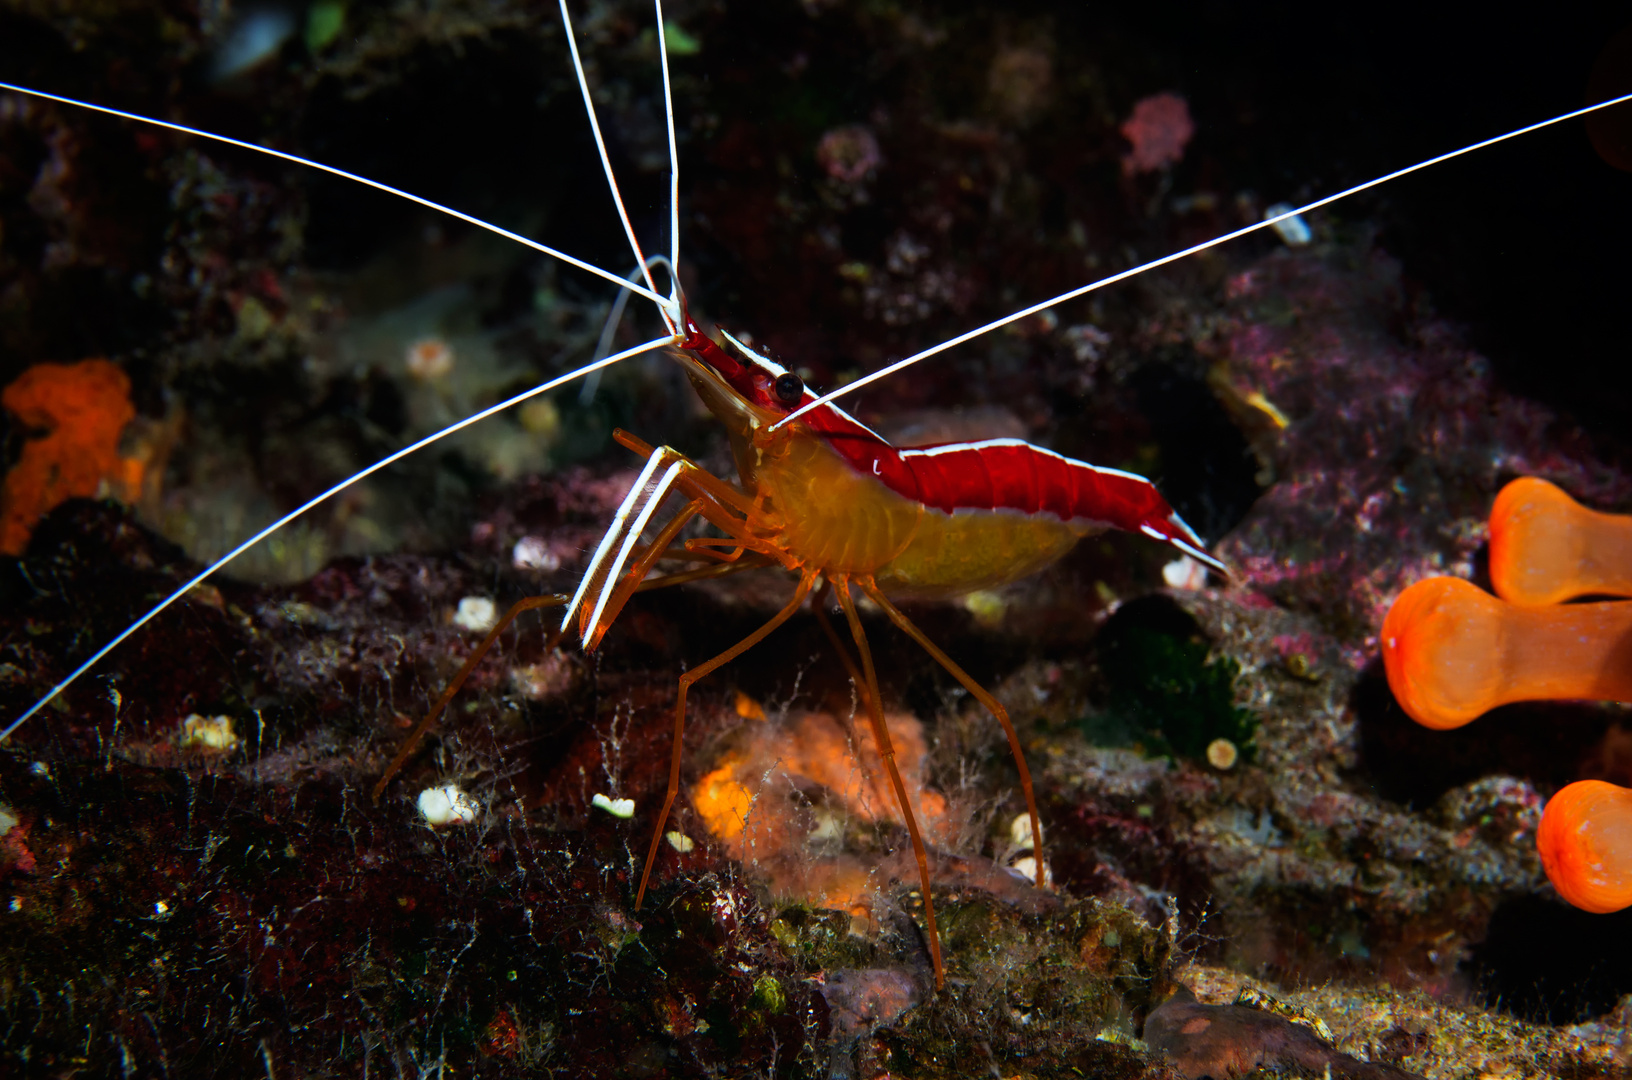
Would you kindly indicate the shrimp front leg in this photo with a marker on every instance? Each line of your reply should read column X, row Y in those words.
column 606, row 588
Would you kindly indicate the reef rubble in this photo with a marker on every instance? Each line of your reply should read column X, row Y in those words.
column 1256, row 862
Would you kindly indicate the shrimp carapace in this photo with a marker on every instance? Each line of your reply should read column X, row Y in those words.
column 1585, row 841
column 1454, row 652
column 1546, row 548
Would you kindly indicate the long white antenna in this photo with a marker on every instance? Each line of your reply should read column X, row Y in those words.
column 891, row 369
column 674, row 157
column 606, row 163
column 649, row 293
column 609, row 329
column 655, row 343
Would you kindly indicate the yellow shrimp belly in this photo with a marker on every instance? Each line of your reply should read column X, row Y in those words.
column 822, row 513
column 968, row 549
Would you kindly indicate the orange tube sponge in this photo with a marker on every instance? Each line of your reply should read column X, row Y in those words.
column 1585, row 840
column 82, row 408
column 1453, row 652
column 1545, row 547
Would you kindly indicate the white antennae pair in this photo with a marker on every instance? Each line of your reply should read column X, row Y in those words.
column 670, row 306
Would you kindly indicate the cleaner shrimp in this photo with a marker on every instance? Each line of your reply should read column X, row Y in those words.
column 882, row 226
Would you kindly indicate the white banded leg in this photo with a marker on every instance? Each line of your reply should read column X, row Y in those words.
column 618, row 520
column 640, row 504
column 609, row 581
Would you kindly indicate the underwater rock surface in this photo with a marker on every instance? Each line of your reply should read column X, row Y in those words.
column 193, row 879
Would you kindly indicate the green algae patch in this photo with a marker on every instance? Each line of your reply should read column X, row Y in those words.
column 768, row 995
column 1166, row 692
column 822, row 939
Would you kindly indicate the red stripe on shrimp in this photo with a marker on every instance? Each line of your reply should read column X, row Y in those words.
column 1008, row 474
column 996, row 474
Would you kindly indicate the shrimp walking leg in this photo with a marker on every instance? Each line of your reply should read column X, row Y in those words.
column 886, row 751
column 533, row 603
column 599, row 596
column 856, row 678
column 980, row 694
column 614, row 593
column 806, row 581
column 635, row 580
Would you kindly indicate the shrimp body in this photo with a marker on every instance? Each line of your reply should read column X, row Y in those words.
column 834, row 502
column 919, row 522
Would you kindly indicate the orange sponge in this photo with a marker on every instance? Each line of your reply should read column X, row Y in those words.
column 1453, row 652
column 1585, row 840
column 82, row 409
column 1545, row 547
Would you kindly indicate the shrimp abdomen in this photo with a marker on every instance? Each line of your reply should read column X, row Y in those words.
column 955, row 553
column 822, row 512
column 1056, row 491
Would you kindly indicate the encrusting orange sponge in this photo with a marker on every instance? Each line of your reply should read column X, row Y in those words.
column 1453, row 652
column 83, row 409
column 1585, row 840
column 1546, row 548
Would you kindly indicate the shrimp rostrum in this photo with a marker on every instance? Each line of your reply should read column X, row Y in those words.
column 831, row 501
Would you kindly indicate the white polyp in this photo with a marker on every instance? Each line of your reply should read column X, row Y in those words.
column 618, row 808
column 610, row 582
column 476, row 614
column 829, row 829
column 432, row 358
column 680, row 842
column 1020, row 833
column 209, row 732
column 625, row 508
column 1026, row 868
column 447, row 805
column 532, row 553
column 1185, row 573
column 1222, row 754
column 1288, row 224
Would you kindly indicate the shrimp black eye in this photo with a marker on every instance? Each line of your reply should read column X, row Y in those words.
column 789, row 388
